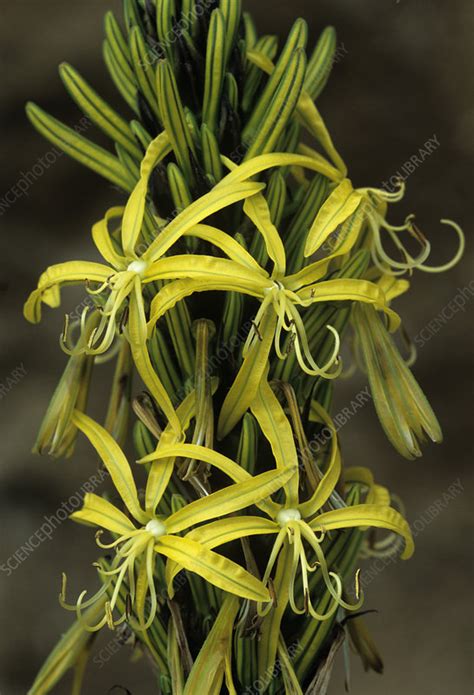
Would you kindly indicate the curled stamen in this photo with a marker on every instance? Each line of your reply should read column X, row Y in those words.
column 458, row 255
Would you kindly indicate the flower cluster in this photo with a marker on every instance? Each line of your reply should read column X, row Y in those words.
column 229, row 218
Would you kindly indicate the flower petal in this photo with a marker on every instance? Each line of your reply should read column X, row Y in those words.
column 177, row 290
column 99, row 512
column 135, row 208
column 102, row 240
column 208, row 669
column 342, row 203
column 137, row 333
column 363, row 515
column 214, row 568
column 218, row 198
column 277, row 429
column 229, row 500
column 244, row 388
column 50, row 282
column 114, row 460
column 224, row 531
column 333, row 471
column 256, row 208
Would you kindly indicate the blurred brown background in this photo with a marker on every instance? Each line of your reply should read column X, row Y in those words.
column 405, row 76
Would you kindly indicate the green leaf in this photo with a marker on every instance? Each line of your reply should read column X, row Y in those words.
column 267, row 46
column 211, row 155
column 165, row 17
column 125, row 85
column 232, row 12
column 119, row 62
column 143, row 64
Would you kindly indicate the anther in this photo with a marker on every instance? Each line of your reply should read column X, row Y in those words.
column 257, row 331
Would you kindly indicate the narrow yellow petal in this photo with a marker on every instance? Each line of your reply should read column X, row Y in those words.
column 244, row 388
column 97, row 511
column 277, row 429
column 114, row 460
column 214, row 568
column 364, row 515
column 342, row 203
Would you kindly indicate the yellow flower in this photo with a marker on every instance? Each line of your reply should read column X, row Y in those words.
column 297, row 524
column 146, row 533
column 120, row 284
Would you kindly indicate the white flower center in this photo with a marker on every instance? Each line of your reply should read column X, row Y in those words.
column 138, row 267
column 156, row 528
column 286, row 515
